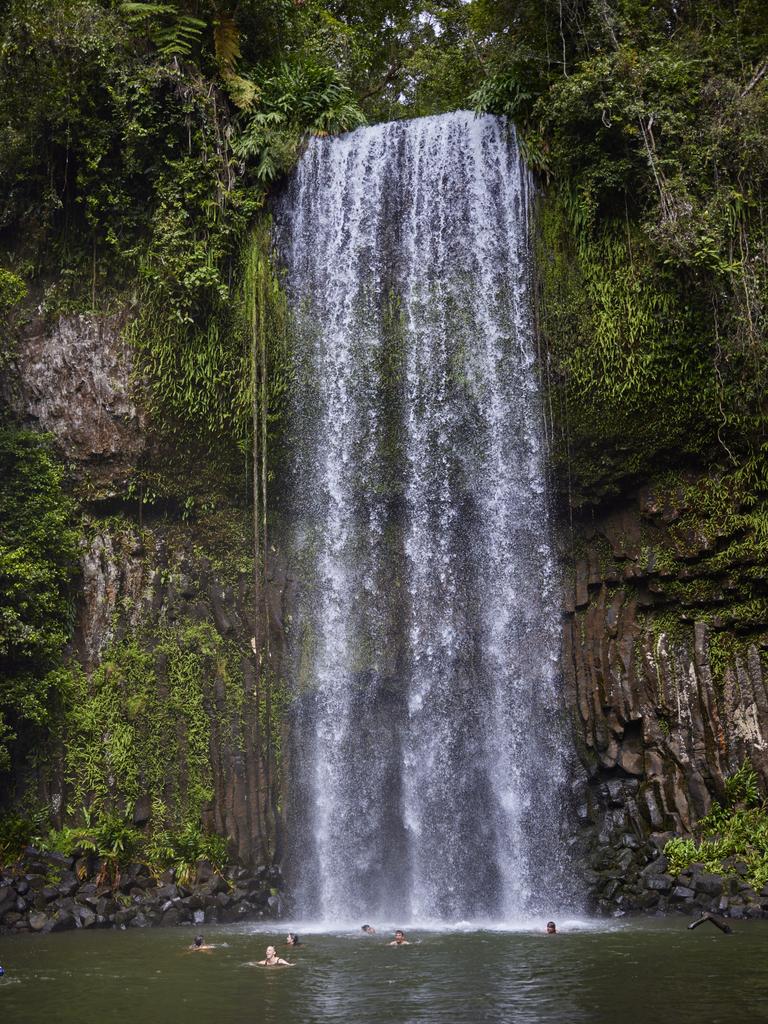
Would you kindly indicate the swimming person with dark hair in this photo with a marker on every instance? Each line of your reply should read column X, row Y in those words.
column 273, row 960
column 399, row 939
column 293, row 939
column 551, row 928
column 369, row 929
column 199, row 946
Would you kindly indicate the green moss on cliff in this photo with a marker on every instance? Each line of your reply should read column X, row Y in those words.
column 141, row 725
column 649, row 128
column 38, row 550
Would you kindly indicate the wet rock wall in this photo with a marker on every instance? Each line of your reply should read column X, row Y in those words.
column 665, row 671
column 165, row 549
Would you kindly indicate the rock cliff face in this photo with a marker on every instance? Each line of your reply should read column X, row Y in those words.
column 145, row 583
column 664, row 648
column 72, row 378
column 149, row 572
column 665, row 678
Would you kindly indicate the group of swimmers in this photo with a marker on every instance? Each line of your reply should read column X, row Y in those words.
column 271, row 959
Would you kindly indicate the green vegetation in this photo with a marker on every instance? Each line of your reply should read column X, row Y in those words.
column 140, row 726
column 139, row 143
column 649, row 125
column 38, row 548
column 115, row 842
column 734, row 831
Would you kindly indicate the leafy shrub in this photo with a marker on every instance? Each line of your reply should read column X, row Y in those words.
column 115, row 841
column 183, row 849
column 18, row 831
column 737, row 830
column 38, row 551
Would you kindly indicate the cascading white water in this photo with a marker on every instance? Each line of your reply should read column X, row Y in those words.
column 428, row 756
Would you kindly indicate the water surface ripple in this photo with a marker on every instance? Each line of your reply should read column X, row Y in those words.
column 639, row 973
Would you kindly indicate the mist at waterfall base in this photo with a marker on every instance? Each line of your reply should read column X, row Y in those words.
column 428, row 754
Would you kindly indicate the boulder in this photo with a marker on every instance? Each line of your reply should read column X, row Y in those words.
column 659, row 883
column 124, row 917
column 52, row 859
column 87, row 917
column 7, row 899
column 215, row 885
column 655, row 867
column 682, row 893
column 204, row 872
column 106, row 906
column 38, row 921
column 68, row 884
column 62, row 921
column 708, row 883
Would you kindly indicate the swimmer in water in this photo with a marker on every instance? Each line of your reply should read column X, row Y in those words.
column 399, row 939
column 292, row 939
column 199, row 946
column 273, row 960
column 551, row 928
column 369, row 929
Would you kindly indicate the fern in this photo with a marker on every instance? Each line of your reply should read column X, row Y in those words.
column 226, row 42
column 172, row 32
column 296, row 101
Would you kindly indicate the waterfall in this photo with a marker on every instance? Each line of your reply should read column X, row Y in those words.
column 428, row 755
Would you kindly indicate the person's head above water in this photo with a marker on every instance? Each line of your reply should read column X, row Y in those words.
column 271, row 954
column 551, row 928
column 292, row 939
column 198, row 940
column 400, row 939
column 369, row 929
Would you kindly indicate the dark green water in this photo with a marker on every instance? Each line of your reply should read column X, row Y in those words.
column 643, row 971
